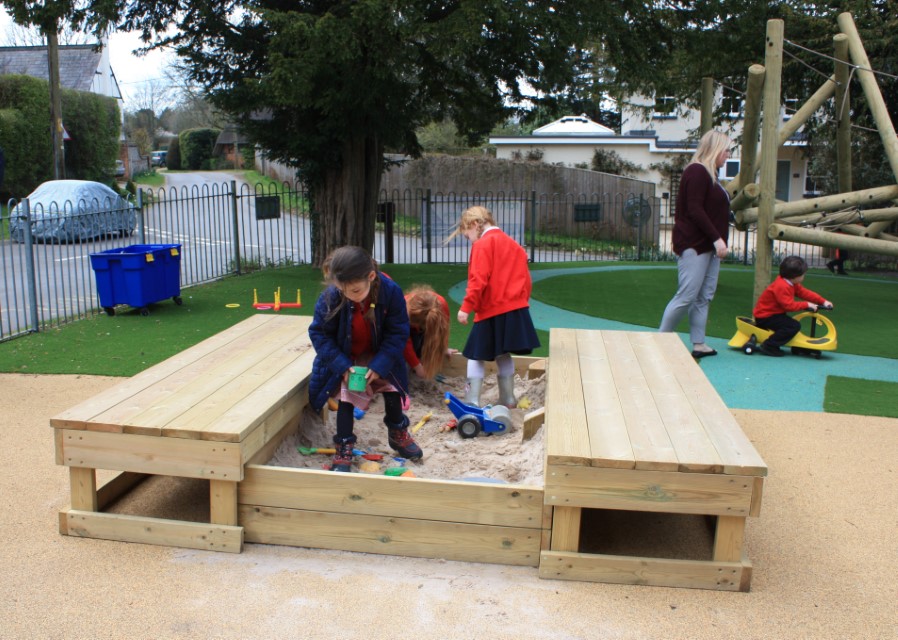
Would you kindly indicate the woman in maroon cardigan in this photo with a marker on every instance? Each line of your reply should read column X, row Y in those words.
column 700, row 237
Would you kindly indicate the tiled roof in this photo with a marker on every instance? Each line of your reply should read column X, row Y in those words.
column 78, row 64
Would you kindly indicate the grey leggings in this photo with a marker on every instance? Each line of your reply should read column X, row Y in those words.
column 697, row 284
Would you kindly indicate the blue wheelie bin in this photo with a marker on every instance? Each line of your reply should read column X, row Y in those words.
column 137, row 275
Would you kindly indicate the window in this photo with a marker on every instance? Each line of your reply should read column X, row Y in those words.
column 665, row 108
column 733, row 106
column 729, row 171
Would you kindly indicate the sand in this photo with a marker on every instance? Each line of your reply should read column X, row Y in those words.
column 498, row 457
column 824, row 552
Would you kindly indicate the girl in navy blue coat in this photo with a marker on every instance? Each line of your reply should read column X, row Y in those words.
column 361, row 319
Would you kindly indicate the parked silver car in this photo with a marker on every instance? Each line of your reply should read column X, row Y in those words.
column 73, row 210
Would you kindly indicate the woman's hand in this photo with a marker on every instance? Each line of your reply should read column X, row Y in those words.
column 721, row 248
column 462, row 317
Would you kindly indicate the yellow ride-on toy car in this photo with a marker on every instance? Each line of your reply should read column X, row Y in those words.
column 749, row 337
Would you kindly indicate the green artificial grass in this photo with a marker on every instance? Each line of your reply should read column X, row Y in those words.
column 860, row 397
column 127, row 343
column 863, row 315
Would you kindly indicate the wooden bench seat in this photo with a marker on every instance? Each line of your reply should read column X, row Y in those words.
column 203, row 413
column 634, row 425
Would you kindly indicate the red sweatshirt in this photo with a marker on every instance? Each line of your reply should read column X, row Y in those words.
column 779, row 297
column 498, row 276
column 410, row 356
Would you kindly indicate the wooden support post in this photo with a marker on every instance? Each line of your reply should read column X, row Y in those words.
column 566, row 529
column 83, row 485
column 843, row 117
column 729, row 538
column 875, row 101
column 707, row 119
column 223, row 502
column 773, row 62
column 791, row 126
column 750, row 125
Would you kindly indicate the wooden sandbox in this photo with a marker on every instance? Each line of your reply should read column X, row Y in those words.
column 220, row 409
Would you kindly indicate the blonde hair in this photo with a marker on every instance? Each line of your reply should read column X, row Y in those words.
column 426, row 313
column 709, row 147
column 471, row 217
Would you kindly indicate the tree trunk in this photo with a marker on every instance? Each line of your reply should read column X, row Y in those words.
column 346, row 200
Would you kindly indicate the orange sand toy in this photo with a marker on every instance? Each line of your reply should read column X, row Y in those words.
column 277, row 305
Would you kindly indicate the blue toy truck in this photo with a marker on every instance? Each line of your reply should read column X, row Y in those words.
column 472, row 419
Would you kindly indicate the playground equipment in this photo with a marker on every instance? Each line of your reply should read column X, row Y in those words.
column 472, row 420
column 749, row 336
column 277, row 305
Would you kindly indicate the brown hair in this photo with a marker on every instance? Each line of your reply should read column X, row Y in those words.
column 475, row 216
column 426, row 313
column 351, row 264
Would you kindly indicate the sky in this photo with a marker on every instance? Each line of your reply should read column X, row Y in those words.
column 131, row 72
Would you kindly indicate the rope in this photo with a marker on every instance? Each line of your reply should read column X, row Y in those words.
column 823, row 55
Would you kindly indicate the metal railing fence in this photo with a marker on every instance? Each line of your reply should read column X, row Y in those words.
column 231, row 228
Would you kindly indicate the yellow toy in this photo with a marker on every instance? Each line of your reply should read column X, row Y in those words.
column 749, row 337
column 277, row 305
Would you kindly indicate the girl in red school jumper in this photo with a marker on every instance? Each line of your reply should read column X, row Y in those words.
column 428, row 341
column 498, row 294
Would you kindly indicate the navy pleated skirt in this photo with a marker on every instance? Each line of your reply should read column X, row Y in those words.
column 510, row 332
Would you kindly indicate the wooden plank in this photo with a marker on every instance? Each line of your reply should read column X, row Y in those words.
column 273, row 424
column 168, row 533
column 631, row 356
column 695, row 574
column 695, row 451
column 532, row 422
column 223, row 502
column 567, row 441
column 148, row 454
column 448, row 501
column 659, row 491
column 737, row 453
column 265, row 452
column 81, row 415
column 392, row 535
column 536, row 369
column 757, row 497
column 147, row 412
column 605, row 422
column 646, row 432
column 237, row 408
column 456, row 366
column 117, row 486
column 566, row 528
column 287, row 385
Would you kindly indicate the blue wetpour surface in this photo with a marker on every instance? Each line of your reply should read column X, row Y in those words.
column 744, row 382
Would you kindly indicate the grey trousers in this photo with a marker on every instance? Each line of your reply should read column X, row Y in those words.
column 697, row 284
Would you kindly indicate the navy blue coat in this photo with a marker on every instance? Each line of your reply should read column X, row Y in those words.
column 332, row 339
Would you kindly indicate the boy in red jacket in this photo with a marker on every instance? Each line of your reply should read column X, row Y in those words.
column 779, row 298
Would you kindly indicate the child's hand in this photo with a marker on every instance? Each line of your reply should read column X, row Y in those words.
column 371, row 376
column 462, row 317
column 827, row 304
column 419, row 370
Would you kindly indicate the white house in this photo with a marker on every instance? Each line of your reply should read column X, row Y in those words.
column 649, row 137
